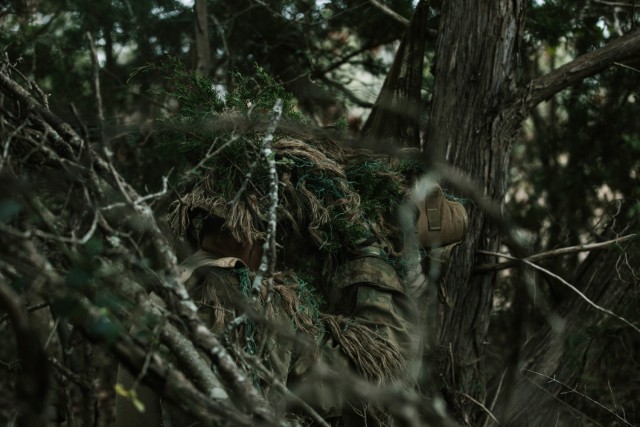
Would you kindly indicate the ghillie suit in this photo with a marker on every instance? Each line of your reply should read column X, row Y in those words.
column 340, row 294
column 339, row 235
column 344, row 295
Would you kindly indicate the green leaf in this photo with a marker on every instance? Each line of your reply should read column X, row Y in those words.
column 132, row 395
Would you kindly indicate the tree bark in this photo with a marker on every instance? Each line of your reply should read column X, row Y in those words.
column 620, row 49
column 203, row 49
column 395, row 117
column 472, row 125
column 476, row 111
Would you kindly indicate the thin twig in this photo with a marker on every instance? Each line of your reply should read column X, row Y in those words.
column 571, row 408
column 391, row 13
column 29, row 309
column 32, row 378
column 84, row 131
column 278, row 385
column 574, row 390
column 142, row 199
column 211, row 153
column 245, row 183
column 614, row 3
column 484, row 408
column 556, row 252
column 223, row 36
column 39, row 233
column 77, row 379
column 453, row 366
column 626, row 66
column 7, row 143
column 569, row 285
column 96, row 85
column 54, row 328
column 495, row 398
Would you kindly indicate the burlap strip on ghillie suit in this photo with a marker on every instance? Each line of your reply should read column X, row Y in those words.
column 222, row 292
column 336, row 204
column 219, row 292
column 321, row 184
column 373, row 356
column 216, row 285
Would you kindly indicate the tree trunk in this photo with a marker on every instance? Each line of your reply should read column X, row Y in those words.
column 476, row 112
column 395, row 117
column 110, row 73
column 472, row 126
column 203, row 49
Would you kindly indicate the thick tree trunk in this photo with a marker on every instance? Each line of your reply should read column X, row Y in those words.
column 472, row 126
column 476, row 112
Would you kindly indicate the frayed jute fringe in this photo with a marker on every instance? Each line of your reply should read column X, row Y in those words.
column 374, row 357
column 314, row 191
column 371, row 355
column 223, row 302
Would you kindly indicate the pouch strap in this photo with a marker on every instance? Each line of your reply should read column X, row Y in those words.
column 434, row 216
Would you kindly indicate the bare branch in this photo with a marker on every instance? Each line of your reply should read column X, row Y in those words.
column 575, row 390
column 348, row 93
column 545, row 87
column 271, row 378
column 626, row 66
column 162, row 192
column 567, row 284
column 495, row 397
column 187, row 354
column 29, row 309
column 158, row 373
column 343, row 60
column 97, row 93
column 556, row 252
column 39, row 233
column 267, row 263
column 211, row 153
column 7, row 143
column 483, row 407
column 82, row 382
column 388, row 11
column 615, row 3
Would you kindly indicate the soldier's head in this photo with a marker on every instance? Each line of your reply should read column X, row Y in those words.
column 329, row 196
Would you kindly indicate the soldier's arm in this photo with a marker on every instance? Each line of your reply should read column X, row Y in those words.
column 369, row 290
column 369, row 332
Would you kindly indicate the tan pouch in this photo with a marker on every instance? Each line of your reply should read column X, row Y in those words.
column 441, row 221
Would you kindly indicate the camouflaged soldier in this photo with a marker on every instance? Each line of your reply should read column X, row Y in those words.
column 352, row 311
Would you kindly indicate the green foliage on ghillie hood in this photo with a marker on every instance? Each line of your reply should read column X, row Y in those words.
column 329, row 193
